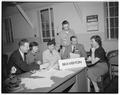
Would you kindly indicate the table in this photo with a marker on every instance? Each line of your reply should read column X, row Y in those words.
column 77, row 81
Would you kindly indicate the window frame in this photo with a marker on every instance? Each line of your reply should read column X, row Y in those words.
column 107, row 12
column 51, row 29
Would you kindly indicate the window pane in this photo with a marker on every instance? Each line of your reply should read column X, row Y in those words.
column 116, row 33
column 53, row 33
column 116, row 22
column 111, row 3
column 116, row 11
column 43, row 33
column 116, row 3
column 112, row 11
column 111, row 22
column 112, row 32
column 48, row 33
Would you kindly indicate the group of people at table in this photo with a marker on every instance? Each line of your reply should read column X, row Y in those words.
column 26, row 58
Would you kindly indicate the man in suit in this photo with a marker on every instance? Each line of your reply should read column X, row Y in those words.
column 17, row 62
column 74, row 48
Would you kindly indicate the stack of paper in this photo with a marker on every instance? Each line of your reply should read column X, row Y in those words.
column 53, row 72
column 73, row 55
column 63, row 73
column 31, row 83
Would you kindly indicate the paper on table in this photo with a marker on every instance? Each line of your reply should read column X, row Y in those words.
column 43, row 73
column 62, row 73
column 31, row 83
column 52, row 72
column 72, row 55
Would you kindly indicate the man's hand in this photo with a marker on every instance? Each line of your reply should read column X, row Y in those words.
column 39, row 62
column 13, row 70
column 33, row 71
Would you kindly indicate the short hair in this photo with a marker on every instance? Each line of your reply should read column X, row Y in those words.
column 32, row 44
column 97, row 38
column 51, row 42
column 72, row 37
column 65, row 22
column 22, row 42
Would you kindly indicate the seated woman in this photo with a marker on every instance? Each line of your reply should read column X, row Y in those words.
column 98, row 58
column 33, row 55
column 50, row 56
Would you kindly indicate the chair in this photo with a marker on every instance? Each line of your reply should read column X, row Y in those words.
column 113, row 61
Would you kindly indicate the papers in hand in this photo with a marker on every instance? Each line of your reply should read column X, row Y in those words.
column 32, row 83
column 73, row 55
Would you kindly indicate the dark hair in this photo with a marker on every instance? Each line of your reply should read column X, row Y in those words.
column 65, row 22
column 50, row 42
column 97, row 39
column 72, row 37
column 32, row 44
column 22, row 42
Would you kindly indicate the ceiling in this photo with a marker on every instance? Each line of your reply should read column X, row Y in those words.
column 9, row 8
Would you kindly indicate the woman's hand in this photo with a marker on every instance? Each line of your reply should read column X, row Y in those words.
column 93, row 50
column 89, row 59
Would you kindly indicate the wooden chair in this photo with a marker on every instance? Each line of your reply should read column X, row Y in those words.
column 112, row 62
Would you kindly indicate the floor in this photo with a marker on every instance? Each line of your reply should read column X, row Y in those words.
column 112, row 87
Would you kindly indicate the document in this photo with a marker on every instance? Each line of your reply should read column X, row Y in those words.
column 61, row 74
column 42, row 79
column 32, row 83
column 42, row 73
column 73, row 55
column 53, row 72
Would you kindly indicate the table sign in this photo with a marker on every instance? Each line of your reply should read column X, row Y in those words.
column 72, row 63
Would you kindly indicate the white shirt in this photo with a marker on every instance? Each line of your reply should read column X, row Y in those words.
column 50, row 58
column 22, row 54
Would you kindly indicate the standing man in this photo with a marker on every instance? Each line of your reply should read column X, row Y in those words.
column 74, row 48
column 17, row 62
column 64, row 37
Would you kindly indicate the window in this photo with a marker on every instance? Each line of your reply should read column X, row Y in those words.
column 111, row 18
column 47, row 24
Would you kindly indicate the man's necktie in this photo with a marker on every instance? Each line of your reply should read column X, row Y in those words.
column 25, row 57
column 73, row 49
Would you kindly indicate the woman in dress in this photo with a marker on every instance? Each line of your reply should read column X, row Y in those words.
column 98, row 59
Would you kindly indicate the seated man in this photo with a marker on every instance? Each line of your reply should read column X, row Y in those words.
column 33, row 54
column 17, row 62
column 50, row 56
column 74, row 49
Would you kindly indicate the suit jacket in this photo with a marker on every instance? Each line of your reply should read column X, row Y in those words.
column 21, row 66
column 80, row 49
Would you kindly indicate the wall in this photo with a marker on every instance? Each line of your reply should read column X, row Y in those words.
column 64, row 11
column 77, row 21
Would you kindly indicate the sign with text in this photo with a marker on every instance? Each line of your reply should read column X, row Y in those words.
column 72, row 63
